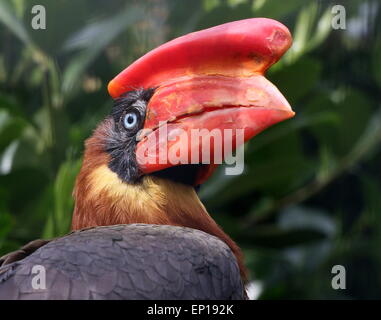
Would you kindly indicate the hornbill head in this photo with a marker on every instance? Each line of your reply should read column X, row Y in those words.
column 138, row 166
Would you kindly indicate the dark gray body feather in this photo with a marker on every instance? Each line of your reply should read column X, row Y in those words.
column 135, row 261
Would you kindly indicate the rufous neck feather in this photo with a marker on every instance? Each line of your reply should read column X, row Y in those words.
column 102, row 198
column 109, row 200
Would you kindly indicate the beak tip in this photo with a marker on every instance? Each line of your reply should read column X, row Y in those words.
column 279, row 37
column 280, row 41
column 291, row 114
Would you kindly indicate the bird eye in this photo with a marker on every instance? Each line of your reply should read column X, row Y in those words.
column 130, row 120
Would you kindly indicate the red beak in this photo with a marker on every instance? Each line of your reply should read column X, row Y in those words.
column 210, row 79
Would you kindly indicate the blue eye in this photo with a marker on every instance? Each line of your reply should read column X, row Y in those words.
column 130, row 120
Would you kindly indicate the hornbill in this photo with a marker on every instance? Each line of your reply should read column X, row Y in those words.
column 139, row 230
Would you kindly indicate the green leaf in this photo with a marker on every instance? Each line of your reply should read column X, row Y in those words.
column 371, row 218
column 368, row 143
column 276, row 238
column 377, row 62
column 234, row 3
column 310, row 31
column 303, row 28
column 10, row 20
column 276, row 168
column 92, row 39
column 355, row 111
column 6, row 224
column 301, row 121
column 301, row 217
column 209, row 5
column 59, row 223
column 322, row 31
column 10, row 129
column 296, row 80
column 275, row 9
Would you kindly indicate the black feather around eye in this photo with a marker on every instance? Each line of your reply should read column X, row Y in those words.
column 128, row 99
column 121, row 141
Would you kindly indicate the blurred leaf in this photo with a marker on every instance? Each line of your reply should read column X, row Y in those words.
column 327, row 165
column 355, row 113
column 368, row 142
column 224, row 13
column 303, row 28
column 371, row 219
column 275, row 9
column 276, row 168
column 19, row 7
column 7, row 157
column 10, row 105
column 234, row 3
column 209, row 5
column 350, row 112
column 305, row 74
column 310, row 31
column 59, row 223
column 276, row 238
column 3, row 71
column 9, row 19
column 296, row 225
column 299, row 217
column 322, row 31
column 376, row 59
column 6, row 224
column 303, row 120
column 93, row 39
column 24, row 184
column 10, row 129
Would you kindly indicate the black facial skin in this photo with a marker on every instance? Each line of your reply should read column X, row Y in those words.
column 121, row 142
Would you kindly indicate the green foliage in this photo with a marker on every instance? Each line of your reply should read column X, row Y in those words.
column 310, row 194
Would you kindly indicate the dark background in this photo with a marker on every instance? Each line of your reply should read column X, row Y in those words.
column 310, row 196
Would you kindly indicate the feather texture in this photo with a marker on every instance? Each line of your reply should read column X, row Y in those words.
column 136, row 261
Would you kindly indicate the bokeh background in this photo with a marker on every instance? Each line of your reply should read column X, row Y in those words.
column 310, row 196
